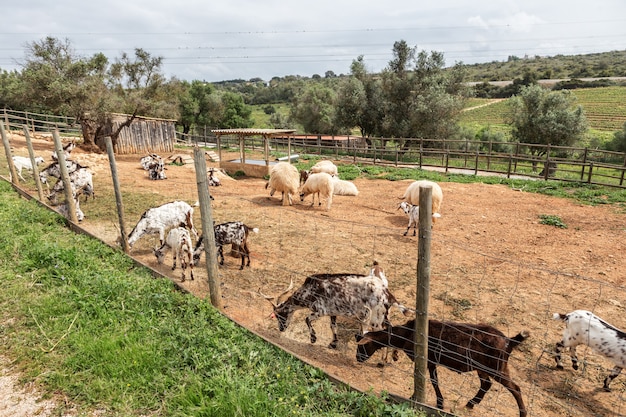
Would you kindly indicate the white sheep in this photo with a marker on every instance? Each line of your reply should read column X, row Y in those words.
column 343, row 187
column 585, row 328
column 179, row 240
column 321, row 184
column 285, row 178
column 158, row 219
column 412, row 196
column 324, row 166
column 21, row 162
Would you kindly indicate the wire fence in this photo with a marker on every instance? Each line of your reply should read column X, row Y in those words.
column 474, row 280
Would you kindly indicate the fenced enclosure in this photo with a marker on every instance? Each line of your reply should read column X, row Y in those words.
column 570, row 164
column 492, row 262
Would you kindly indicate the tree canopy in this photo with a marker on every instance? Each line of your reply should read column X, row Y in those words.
column 541, row 116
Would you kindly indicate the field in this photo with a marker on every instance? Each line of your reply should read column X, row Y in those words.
column 493, row 261
column 604, row 108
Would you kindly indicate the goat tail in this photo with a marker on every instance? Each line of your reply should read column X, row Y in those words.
column 559, row 316
column 517, row 340
column 255, row 229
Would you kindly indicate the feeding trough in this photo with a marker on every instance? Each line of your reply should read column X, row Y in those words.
column 251, row 167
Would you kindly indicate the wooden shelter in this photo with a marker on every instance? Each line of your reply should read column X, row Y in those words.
column 251, row 168
column 143, row 136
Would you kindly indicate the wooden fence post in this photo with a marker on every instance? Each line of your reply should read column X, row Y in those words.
column 420, row 347
column 208, row 233
column 7, row 151
column 31, row 154
column 65, row 177
column 118, row 193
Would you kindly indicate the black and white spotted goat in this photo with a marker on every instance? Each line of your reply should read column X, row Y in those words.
column 81, row 182
column 53, row 170
column 179, row 241
column 155, row 166
column 582, row 327
column 365, row 298
column 230, row 233
column 162, row 218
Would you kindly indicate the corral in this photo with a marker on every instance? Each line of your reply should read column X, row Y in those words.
column 492, row 262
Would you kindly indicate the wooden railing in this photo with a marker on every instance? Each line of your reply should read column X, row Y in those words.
column 39, row 123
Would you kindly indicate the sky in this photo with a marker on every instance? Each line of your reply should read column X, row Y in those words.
column 243, row 39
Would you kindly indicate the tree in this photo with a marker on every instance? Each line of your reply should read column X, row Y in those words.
column 314, row 109
column 540, row 116
column 236, row 114
column 90, row 89
column 359, row 101
column 420, row 98
column 197, row 107
column 618, row 143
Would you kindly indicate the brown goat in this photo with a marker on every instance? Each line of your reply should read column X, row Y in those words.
column 461, row 347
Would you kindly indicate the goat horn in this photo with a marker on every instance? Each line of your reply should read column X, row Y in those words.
column 286, row 291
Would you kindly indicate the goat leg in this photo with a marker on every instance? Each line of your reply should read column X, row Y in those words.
column 614, row 373
column 485, row 385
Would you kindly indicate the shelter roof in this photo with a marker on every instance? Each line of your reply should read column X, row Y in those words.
column 253, row 132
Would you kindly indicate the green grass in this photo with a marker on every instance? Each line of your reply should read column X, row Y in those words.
column 85, row 323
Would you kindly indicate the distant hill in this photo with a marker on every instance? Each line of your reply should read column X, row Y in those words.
column 605, row 64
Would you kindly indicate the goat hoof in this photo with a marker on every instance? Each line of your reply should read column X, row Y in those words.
column 559, row 367
column 332, row 345
column 380, row 365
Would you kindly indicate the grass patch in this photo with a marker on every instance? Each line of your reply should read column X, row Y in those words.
column 552, row 220
column 95, row 328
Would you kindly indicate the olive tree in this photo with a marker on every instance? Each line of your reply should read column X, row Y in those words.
column 91, row 88
column 543, row 117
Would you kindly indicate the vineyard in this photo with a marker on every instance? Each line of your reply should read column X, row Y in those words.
column 605, row 109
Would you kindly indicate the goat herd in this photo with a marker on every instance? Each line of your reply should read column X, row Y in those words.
column 461, row 347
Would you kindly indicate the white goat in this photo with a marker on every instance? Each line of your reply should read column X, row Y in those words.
column 414, row 216
column 585, row 328
column 158, row 219
column 179, row 240
column 342, row 187
column 285, row 178
column 321, row 184
column 412, row 196
column 324, row 166
column 212, row 179
column 63, row 209
column 21, row 162
column 67, row 149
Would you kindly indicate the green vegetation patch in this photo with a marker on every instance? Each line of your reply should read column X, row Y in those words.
column 552, row 220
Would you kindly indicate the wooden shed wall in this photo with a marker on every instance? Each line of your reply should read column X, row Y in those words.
column 145, row 136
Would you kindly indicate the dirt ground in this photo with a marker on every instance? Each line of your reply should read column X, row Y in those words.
column 491, row 261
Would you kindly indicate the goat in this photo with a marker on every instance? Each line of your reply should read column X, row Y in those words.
column 363, row 297
column 67, row 149
column 158, row 219
column 414, row 215
column 81, row 182
column 179, row 240
column 53, row 170
column 155, row 166
column 212, row 179
column 21, row 162
column 64, row 210
column 412, row 196
column 234, row 233
column 460, row 347
column 585, row 328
